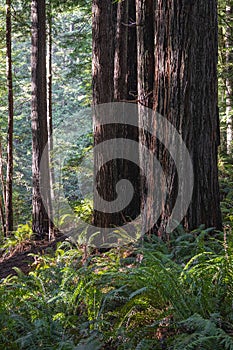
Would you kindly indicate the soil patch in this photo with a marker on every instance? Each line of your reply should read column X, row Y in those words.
column 20, row 256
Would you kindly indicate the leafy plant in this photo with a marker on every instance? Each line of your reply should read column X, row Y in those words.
column 18, row 238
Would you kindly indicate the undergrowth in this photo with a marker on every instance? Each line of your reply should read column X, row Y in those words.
column 151, row 295
column 127, row 298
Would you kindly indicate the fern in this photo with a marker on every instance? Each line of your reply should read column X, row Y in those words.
column 202, row 334
column 117, row 300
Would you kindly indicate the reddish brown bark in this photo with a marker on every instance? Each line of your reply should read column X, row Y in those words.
column 185, row 92
column 40, row 219
column 9, row 172
column 114, row 80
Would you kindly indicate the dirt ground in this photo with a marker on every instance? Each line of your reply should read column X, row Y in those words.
column 20, row 258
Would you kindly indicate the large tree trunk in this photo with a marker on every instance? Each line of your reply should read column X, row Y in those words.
column 40, row 219
column 114, row 80
column 103, row 29
column 103, row 32
column 185, row 92
column 177, row 77
column 9, row 172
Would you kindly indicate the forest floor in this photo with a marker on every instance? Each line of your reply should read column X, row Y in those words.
column 22, row 257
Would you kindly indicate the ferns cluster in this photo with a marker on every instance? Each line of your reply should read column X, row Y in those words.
column 143, row 297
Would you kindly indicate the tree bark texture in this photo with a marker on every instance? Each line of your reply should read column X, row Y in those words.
column 176, row 50
column 9, row 171
column 115, row 80
column 185, row 92
column 145, row 88
column 40, row 224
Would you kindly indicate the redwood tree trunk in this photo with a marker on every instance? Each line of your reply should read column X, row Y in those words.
column 177, row 77
column 114, row 80
column 9, row 172
column 40, row 220
column 185, row 92
column 145, row 54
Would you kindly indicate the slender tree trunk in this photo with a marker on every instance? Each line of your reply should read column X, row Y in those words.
column 114, row 80
column 222, row 81
column 50, row 116
column 3, row 186
column 9, row 173
column 3, row 190
column 40, row 219
column 2, row 218
column 185, row 92
column 229, row 77
column 49, row 77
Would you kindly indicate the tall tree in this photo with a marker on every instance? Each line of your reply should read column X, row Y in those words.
column 185, row 92
column 50, row 111
column 177, row 77
column 9, row 173
column 3, row 190
column 229, row 75
column 114, row 79
column 40, row 218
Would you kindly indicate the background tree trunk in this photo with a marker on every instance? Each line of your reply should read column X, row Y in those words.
column 50, row 114
column 3, row 188
column 229, row 76
column 40, row 220
column 9, row 172
column 2, row 218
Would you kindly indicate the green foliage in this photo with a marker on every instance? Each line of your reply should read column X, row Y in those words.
column 18, row 238
column 127, row 298
column 84, row 209
column 71, row 41
column 203, row 334
column 150, row 295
